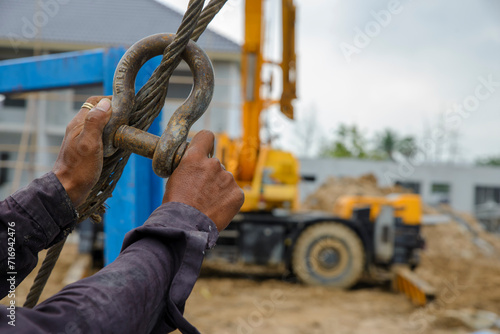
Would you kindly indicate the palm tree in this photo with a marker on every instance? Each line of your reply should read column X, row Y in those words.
column 407, row 147
column 387, row 142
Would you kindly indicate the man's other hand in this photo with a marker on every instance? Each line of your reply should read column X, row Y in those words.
column 79, row 163
column 202, row 182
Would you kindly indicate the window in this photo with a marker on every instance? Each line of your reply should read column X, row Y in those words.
column 14, row 101
column 440, row 193
column 178, row 91
column 181, row 83
column 413, row 186
column 487, row 194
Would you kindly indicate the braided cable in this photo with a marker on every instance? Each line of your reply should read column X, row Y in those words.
column 207, row 16
column 43, row 274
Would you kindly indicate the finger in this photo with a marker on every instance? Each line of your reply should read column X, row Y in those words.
column 93, row 100
column 79, row 118
column 202, row 143
column 96, row 120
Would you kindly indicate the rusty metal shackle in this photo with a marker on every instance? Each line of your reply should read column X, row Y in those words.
column 167, row 150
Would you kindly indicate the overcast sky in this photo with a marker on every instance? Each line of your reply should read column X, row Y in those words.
column 358, row 65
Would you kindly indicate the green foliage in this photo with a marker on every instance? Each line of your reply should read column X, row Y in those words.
column 387, row 143
column 407, row 146
column 489, row 161
column 349, row 142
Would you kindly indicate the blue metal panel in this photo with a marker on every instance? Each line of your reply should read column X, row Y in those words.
column 139, row 191
column 51, row 71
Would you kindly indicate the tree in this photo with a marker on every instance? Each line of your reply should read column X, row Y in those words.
column 307, row 132
column 407, row 147
column 388, row 142
column 489, row 161
column 348, row 143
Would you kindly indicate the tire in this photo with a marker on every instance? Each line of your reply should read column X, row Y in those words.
column 329, row 254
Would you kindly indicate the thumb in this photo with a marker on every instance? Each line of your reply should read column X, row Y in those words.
column 96, row 119
column 202, row 144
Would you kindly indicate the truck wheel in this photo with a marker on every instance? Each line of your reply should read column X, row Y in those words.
column 329, row 254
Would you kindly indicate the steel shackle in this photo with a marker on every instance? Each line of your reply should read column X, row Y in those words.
column 167, row 150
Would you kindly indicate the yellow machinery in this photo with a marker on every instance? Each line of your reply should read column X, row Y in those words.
column 275, row 178
column 269, row 177
column 319, row 248
column 395, row 221
column 407, row 207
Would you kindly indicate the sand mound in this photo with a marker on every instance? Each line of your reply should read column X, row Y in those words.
column 328, row 193
column 461, row 259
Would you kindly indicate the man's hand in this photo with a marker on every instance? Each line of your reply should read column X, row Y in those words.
column 79, row 163
column 203, row 183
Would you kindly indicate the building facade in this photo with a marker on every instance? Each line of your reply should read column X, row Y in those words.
column 465, row 188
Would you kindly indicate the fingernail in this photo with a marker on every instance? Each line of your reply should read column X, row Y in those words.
column 104, row 105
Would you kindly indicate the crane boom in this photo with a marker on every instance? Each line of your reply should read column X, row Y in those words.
column 289, row 59
column 252, row 81
column 251, row 67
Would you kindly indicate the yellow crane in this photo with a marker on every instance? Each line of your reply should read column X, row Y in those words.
column 268, row 176
column 366, row 233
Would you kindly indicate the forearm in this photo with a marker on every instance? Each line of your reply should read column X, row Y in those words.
column 32, row 219
column 144, row 290
column 115, row 300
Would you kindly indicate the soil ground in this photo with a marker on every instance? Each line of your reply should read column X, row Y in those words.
column 456, row 261
column 224, row 302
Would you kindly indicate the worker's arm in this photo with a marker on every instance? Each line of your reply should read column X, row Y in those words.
column 32, row 219
column 142, row 291
column 40, row 215
column 145, row 289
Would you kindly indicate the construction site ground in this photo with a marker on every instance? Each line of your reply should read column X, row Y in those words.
column 461, row 262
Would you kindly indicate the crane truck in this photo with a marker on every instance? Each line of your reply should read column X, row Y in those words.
column 362, row 236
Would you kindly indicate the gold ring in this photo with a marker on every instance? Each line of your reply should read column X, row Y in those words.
column 87, row 105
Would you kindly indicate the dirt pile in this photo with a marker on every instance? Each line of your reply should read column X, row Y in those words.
column 328, row 193
column 461, row 259
column 463, row 263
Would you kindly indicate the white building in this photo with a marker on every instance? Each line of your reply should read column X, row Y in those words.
column 463, row 187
